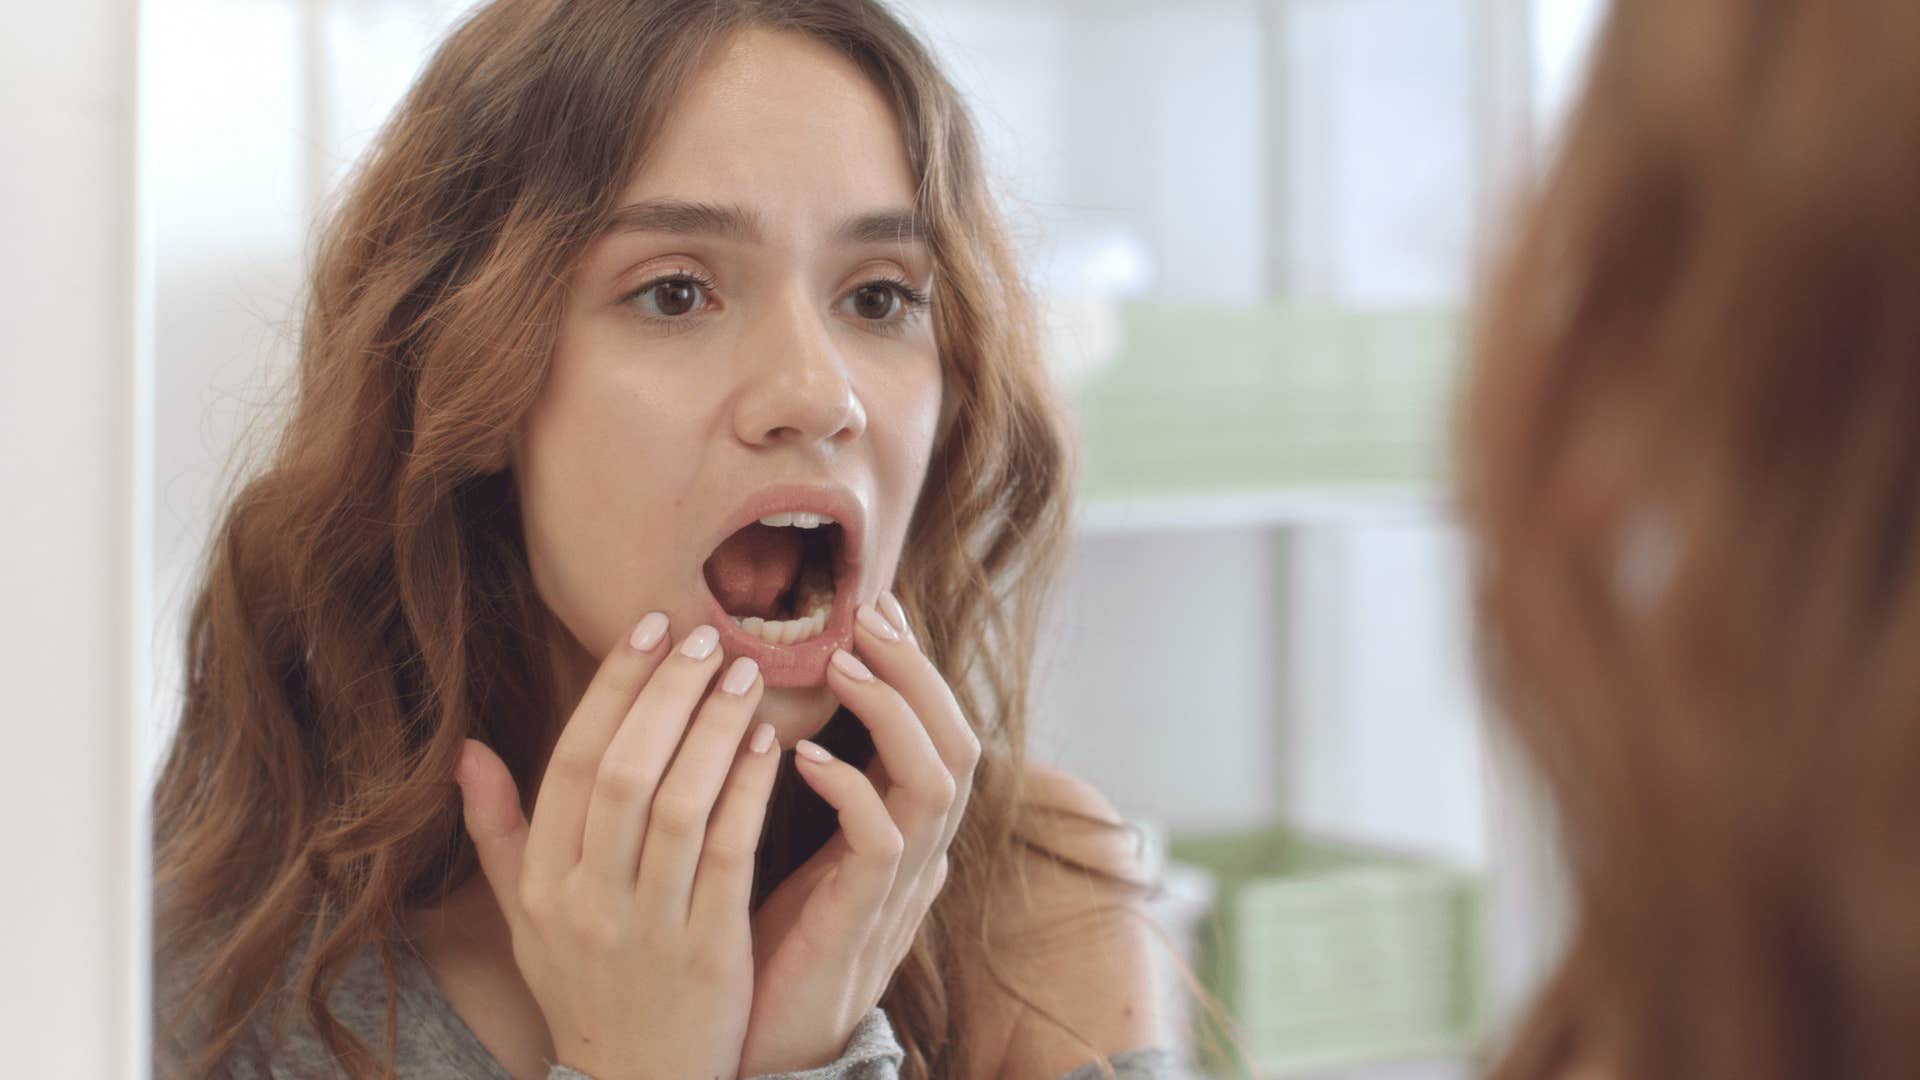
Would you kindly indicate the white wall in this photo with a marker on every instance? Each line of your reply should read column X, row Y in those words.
column 1379, row 120
column 71, row 925
column 1159, row 675
column 1563, row 36
column 224, row 181
column 1380, row 722
column 254, row 109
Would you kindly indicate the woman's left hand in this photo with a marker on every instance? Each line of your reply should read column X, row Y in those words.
column 828, row 939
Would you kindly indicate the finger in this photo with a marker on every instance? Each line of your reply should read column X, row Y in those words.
column 913, row 902
column 677, row 823
column 864, row 876
column 890, row 607
column 899, row 662
column 922, row 790
column 723, row 884
column 566, row 788
column 896, row 657
column 490, row 808
column 628, row 774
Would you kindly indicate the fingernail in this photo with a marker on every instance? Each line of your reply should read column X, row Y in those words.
column 876, row 623
column 740, row 676
column 649, row 632
column 463, row 768
column 762, row 738
column 851, row 666
column 896, row 614
column 812, row 751
column 699, row 644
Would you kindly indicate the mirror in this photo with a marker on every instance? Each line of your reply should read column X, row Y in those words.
column 1250, row 228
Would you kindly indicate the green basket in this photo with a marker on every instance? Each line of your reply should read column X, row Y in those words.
column 1329, row 955
column 1214, row 399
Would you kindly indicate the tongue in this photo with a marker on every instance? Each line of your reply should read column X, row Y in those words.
column 750, row 571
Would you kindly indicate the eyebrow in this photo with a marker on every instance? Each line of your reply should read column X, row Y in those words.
column 682, row 218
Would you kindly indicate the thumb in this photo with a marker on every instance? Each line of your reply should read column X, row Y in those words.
column 490, row 805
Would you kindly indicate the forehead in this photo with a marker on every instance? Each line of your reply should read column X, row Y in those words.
column 782, row 124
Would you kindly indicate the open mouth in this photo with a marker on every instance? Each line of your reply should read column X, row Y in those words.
column 777, row 577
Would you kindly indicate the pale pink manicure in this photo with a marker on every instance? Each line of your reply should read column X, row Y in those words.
column 812, row 751
column 876, row 623
column 699, row 644
column 851, row 666
column 649, row 632
column 896, row 614
column 740, row 676
column 762, row 738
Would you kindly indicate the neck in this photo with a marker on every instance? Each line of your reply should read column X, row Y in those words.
column 469, row 916
column 571, row 668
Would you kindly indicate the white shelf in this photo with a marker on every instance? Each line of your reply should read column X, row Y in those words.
column 1285, row 507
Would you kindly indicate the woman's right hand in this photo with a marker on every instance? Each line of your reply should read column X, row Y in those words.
column 627, row 896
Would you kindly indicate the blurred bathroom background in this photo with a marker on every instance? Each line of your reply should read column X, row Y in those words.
column 1255, row 225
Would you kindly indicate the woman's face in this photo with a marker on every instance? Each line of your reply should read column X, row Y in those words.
column 732, row 351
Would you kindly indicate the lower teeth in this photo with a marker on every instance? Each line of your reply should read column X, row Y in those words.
column 784, row 631
column 816, row 599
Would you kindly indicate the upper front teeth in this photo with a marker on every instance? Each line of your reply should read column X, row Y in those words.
column 799, row 519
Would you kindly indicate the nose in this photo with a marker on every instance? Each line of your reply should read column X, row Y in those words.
column 798, row 390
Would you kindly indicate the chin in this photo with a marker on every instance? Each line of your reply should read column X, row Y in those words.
column 797, row 712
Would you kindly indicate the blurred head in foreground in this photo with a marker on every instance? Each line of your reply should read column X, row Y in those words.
column 1690, row 456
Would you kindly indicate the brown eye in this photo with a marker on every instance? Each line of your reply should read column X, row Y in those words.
column 874, row 301
column 675, row 297
column 671, row 297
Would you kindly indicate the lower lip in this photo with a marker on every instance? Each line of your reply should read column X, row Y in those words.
column 803, row 663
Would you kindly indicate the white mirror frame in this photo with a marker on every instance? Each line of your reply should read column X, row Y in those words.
column 75, row 461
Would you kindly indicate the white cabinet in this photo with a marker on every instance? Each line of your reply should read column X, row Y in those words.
column 1223, row 653
column 1226, row 653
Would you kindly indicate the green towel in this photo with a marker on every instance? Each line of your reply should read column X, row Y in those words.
column 1208, row 400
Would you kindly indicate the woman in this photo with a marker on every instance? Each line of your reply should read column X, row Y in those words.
column 658, row 346
column 1691, row 456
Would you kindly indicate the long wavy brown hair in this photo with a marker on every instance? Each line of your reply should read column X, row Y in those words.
column 365, row 603
column 1690, row 457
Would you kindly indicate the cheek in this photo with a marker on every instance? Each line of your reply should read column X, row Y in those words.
column 560, row 475
column 597, row 460
column 903, row 449
column 911, row 406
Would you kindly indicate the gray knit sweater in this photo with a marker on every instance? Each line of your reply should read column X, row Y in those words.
column 435, row 1044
